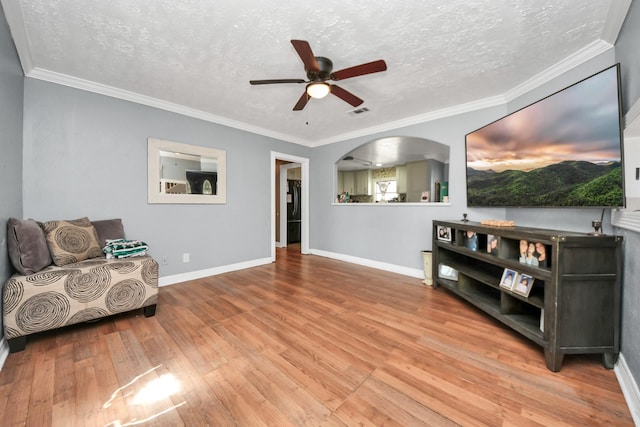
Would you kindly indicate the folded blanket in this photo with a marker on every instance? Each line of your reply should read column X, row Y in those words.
column 123, row 248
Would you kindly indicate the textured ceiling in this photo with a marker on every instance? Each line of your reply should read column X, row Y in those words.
column 197, row 56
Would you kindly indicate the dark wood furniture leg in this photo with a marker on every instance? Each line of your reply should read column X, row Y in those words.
column 17, row 344
column 609, row 359
column 149, row 310
column 553, row 360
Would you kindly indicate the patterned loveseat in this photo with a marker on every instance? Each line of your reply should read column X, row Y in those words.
column 64, row 278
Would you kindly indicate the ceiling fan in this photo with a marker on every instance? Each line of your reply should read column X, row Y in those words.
column 320, row 69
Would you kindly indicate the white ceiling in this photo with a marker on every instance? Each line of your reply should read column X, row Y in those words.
column 196, row 57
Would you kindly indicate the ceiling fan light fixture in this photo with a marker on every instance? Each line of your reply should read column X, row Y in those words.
column 318, row 90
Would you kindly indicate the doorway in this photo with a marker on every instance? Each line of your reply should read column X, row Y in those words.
column 279, row 195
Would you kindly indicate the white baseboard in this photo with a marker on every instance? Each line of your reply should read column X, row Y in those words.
column 4, row 352
column 411, row 272
column 629, row 388
column 192, row 275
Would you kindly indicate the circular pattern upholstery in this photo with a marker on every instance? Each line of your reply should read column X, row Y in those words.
column 87, row 314
column 85, row 287
column 12, row 295
column 76, row 293
column 72, row 239
column 150, row 272
column 125, row 295
column 48, row 277
column 42, row 312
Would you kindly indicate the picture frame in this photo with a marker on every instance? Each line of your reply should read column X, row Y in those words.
column 542, row 254
column 446, row 272
column 492, row 245
column 508, row 279
column 523, row 285
column 471, row 240
column 444, row 233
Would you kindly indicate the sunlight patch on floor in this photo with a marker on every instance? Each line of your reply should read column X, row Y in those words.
column 154, row 390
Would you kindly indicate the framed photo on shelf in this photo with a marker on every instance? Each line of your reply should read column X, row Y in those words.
column 508, row 278
column 492, row 245
column 446, row 272
column 523, row 285
column 444, row 233
column 471, row 240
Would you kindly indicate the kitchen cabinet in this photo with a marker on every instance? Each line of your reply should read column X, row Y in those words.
column 401, row 178
column 361, row 182
column 573, row 306
column 355, row 182
column 348, row 182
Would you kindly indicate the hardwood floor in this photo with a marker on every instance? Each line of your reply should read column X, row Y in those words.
column 304, row 341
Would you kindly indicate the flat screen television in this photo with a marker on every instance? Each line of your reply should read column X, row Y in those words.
column 562, row 151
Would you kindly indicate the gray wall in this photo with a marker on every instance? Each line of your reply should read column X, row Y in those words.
column 11, row 82
column 86, row 155
column 627, row 55
column 393, row 233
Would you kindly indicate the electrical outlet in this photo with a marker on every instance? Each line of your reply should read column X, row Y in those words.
column 185, row 257
column 164, row 260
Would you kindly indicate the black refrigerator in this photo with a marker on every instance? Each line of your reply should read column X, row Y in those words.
column 294, row 211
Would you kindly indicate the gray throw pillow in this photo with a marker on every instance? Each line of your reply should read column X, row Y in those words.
column 27, row 246
column 108, row 229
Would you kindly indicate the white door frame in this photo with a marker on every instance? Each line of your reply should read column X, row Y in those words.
column 303, row 163
column 284, row 188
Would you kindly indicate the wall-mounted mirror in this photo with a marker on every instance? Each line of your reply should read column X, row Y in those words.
column 399, row 169
column 183, row 173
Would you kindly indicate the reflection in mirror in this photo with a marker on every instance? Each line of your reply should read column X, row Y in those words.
column 399, row 169
column 182, row 173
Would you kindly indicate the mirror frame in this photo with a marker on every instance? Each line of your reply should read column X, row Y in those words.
column 154, row 146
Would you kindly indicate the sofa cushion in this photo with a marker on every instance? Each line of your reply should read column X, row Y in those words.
column 108, row 229
column 71, row 240
column 27, row 246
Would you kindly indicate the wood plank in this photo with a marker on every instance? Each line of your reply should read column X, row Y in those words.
column 305, row 341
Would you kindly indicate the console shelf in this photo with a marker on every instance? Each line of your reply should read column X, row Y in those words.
column 573, row 304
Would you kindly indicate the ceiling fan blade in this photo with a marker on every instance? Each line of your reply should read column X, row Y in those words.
column 301, row 102
column 306, row 54
column 346, row 96
column 268, row 82
column 359, row 70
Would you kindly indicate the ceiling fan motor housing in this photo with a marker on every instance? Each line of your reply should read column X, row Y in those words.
column 325, row 67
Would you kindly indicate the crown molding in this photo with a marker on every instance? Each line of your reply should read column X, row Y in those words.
column 594, row 49
column 89, row 86
column 585, row 54
column 13, row 14
column 615, row 18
